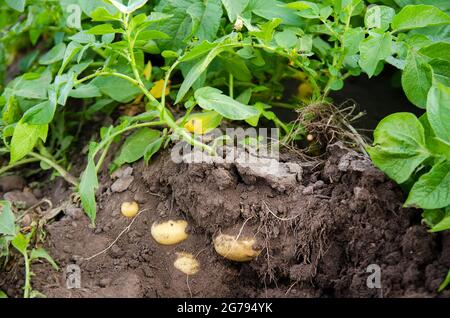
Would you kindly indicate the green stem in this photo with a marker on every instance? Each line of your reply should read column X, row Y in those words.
column 17, row 164
column 102, row 157
column 63, row 172
column 231, row 85
column 27, row 286
column 107, row 140
column 337, row 62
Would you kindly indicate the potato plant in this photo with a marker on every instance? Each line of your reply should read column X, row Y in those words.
column 181, row 62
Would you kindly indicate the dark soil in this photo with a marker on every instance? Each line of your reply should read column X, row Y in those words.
column 319, row 228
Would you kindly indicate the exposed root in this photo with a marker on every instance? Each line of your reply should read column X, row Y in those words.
column 125, row 230
column 323, row 124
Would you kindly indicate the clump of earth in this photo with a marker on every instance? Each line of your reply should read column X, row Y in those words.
column 333, row 229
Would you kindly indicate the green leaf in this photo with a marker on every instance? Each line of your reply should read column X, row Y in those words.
column 439, row 50
column 441, row 71
column 273, row 9
column 236, row 66
column 72, row 50
column 83, row 38
column 286, row 39
column 132, row 6
column 379, row 17
column 151, row 35
column 443, row 225
column 103, row 29
column 399, row 146
column 433, row 217
column 212, row 99
column 437, row 146
column 438, row 111
column 419, row 16
column 198, row 51
column 196, row 71
column 35, row 88
column 42, row 253
column 417, row 79
column 117, row 88
column 25, row 138
column 88, row 186
column 153, row 148
column 267, row 30
column 21, row 242
column 135, row 146
column 234, row 8
column 40, row 114
column 206, row 18
column 100, row 14
column 352, row 39
column 432, row 190
column 7, row 219
column 86, row 91
column 18, row 5
column 374, row 49
column 56, row 54
column 445, row 283
column 3, row 295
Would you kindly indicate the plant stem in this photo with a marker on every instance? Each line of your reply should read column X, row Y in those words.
column 165, row 115
column 231, row 85
column 63, row 172
column 17, row 164
column 108, row 139
column 27, row 286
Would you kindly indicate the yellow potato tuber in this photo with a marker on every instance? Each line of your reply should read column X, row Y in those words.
column 129, row 209
column 170, row 232
column 186, row 263
column 239, row 250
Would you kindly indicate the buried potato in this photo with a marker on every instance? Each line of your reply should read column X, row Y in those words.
column 187, row 263
column 238, row 249
column 129, row 209
column 169, row 232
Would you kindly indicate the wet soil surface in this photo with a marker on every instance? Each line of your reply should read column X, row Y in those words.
column 323, row 231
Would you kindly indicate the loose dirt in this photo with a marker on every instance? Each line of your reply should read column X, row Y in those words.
column 322, row 230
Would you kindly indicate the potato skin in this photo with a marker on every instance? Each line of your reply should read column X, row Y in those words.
column 240, row 250
column 129, row 209
column 169, row 232
column 187, row 264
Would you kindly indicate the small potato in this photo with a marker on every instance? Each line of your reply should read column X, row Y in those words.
column 170, row 232
column 187, row 263
column 240, row 250
column 129, row 209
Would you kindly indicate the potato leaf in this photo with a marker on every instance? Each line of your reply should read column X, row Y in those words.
column 136, row 145
column 7, row 219
column 375, row 48
column 417, row 78
column 399, row 146
column 196, row 71
column 419, row 16
column 432, row 190
column 18, row 5
column 56, row 54
column 438, row 111
column 40, row 114
column 21, row 242
column 88, row 186
column 25, row 138
column 42, row 253
column 379, row 17
column 213, row 99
